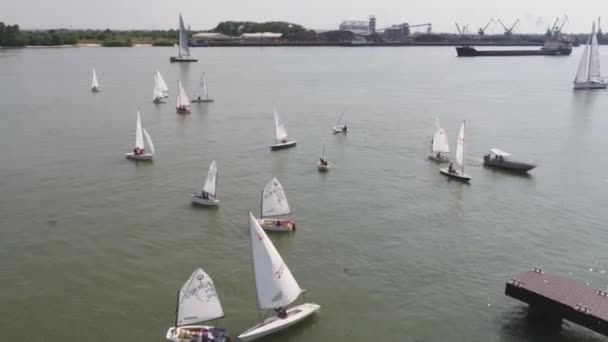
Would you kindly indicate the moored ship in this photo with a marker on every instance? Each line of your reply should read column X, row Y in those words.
column 550, row 48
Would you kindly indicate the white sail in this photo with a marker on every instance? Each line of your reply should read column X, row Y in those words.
column 149, row 141
column 139, row 134
column 323, row 149
column 440, row 141
column 279, row 127
column 275, row 285
column 460, row 149
column 582, row 72
column 158, row 92
column 198, row 300
column 594, row 58
column 340, row 119
column 94, row 81
column 182, row 98
column 205, row 93
column 184, row 50
column 162, row 84
column 274, row 200
column 211, row 181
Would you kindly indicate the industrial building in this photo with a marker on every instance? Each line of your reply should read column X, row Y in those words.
column 360, row 27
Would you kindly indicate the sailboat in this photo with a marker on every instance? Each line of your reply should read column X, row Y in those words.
column 139, row 152
column 183, row 51
column 197, row 302
column 340, row 127
column 280, row 132
column 182, row 100
column 95, row 83
column 323, row 164
column 439, row 145
column 275, row 286
column 162, row 84
column 274, row 204
column 458, row 173
column 208, row 196
column 588, row 74
column 157, row 96
column 203, row 95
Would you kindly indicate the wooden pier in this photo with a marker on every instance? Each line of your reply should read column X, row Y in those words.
column 552, row 298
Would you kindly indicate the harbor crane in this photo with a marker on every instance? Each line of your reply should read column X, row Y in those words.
column 463, row 31
column 482, row 30
column 508, row 31
column 406, row 27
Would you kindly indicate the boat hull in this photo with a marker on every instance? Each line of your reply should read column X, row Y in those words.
column 95, row 89
column 283, row 146
column 159, row 100
column 322, row 167
column 182, row 111
column 338, row 130
column 201, row 100
column 508, row 165
column 441, row 159
column 192, row 332
column 277, row 225
column 207, row 202
column 456, row 175
column 139, row 157
column 589, row 85
column 274, row 324
column 467, row 51
column 182, row 60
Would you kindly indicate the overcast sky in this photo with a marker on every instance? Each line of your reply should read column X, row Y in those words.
column 535, row 15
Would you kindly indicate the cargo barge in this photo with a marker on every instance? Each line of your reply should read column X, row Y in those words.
column 552, row 48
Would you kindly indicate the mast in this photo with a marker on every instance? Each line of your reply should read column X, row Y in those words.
column 463, row 145
column 176, row 309
column 261, row 205
column 255, row 284
column 217, row 174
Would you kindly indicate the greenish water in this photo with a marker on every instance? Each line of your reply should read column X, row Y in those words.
column 93, row 247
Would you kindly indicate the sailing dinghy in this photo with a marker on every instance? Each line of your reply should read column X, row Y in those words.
column 183, row 51
column 203, row 95
column 458, row 173
column 340, row 127
column 139, row 152
column 280, row 132
column 197, row 302
column 588, row 74
column 323, row 164
column 276, row 287
column 274, row 204
column 439, row 145
column 182, row 100
column 162, row 84
column 158, row 96
column 208, row 197
column 95, row 83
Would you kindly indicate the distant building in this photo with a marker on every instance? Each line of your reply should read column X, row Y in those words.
column 261, row 36
column 360, row 27
column 207, row 37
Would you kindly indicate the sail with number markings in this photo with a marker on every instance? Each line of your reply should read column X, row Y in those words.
column 198, row 300
column 211, row 180
column 274, row 200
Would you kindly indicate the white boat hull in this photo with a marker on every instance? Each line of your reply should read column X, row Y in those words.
column 133, row 156
column 277, row 225
column 210, row 202
column 441, row 159
column 589, row 85
column 322, row 167
column 274, row 324
column 283, row 145
column 191, row 333
column 159, row 100
column 457, row 175
column 338, row 130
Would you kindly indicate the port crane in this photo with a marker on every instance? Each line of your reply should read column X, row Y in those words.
column 509, row 31
column 556, row 29
column 462, row 30
column 406, row 27
column 482, row 30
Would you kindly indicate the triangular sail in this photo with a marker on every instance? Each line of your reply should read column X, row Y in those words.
column 184, row 50
column 274, row 200
column 460, row 149
column 211, row 180
column 149, row 141
column 162, row 84
column 582, row 71
column 440, row 141
column 182, row 98
column 158, row 92
column 275, row 285
column 205, row 93
column 340, row 119
column 198, row 300
column 94, row 81
column 594, row 58
column 139, row 134
column 279, row 127
column 323, row 149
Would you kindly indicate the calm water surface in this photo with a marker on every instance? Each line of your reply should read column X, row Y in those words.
column 93, row 247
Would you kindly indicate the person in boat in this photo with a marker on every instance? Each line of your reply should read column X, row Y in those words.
column 205, row 195
column 451, row 168
column 281, row 312
column 138, row 151
column 438, row 155
column 199, row 98
column 284, row 141
column 501, row 159
column 344, row 128
column 278, row 223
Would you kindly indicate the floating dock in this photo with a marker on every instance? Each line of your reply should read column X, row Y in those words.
column 552, row 298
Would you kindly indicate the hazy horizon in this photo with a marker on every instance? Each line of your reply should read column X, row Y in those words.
column 534, row 17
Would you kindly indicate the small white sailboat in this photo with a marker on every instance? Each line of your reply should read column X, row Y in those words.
column 95, row 83
column 203, row 95
column 276, row 287
column 458, row 173
column 162, row 84
column 340, row 127
column 139, row 152
column 157, row 96
column 273, row 205
column 588, row 74
column 208, row 197
column 280, row 132
column 183, row 50
column 182, row 100
column 323, row 164
column 197, row 303
column 439, row 145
